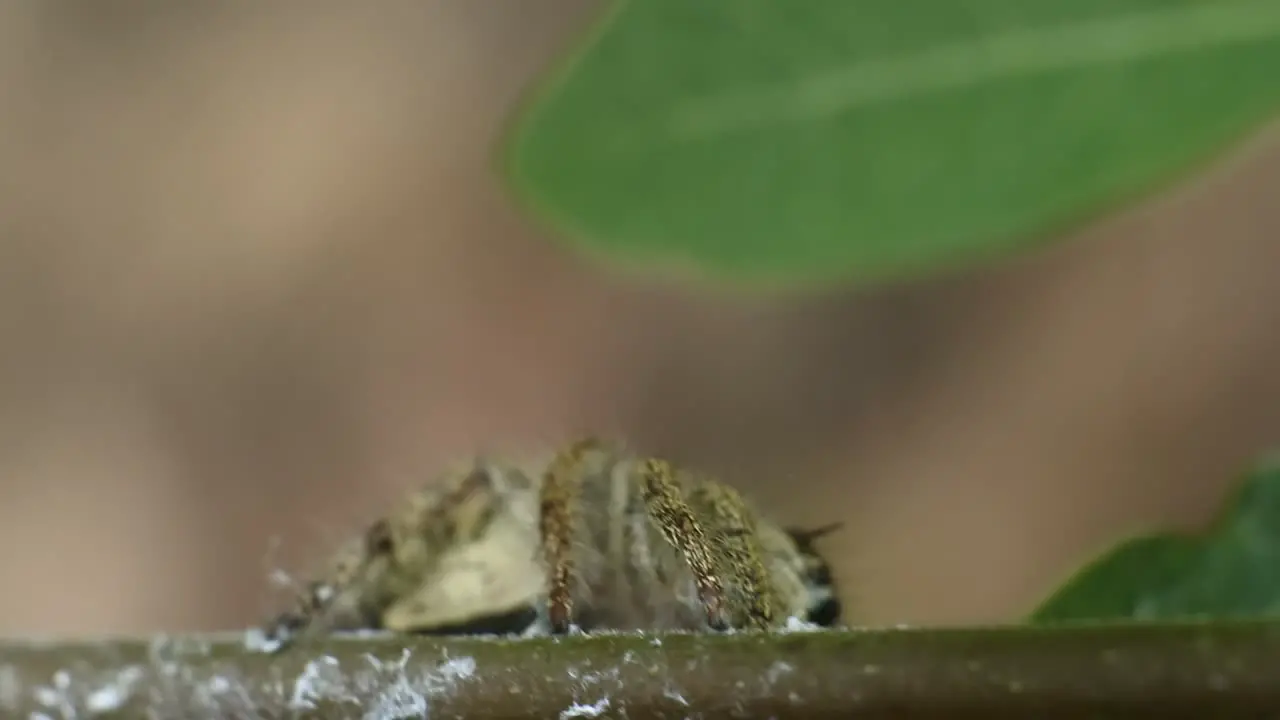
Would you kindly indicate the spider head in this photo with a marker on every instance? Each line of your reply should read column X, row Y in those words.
column 824, row 608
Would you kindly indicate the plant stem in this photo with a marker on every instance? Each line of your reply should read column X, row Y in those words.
column 1136, row 670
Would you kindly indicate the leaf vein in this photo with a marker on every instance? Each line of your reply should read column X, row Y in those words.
column 946, row 68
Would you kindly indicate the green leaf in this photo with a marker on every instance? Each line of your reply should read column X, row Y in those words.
column 874, row 139
column 1232, row 571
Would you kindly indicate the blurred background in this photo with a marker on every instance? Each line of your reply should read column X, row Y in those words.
column 259, row 277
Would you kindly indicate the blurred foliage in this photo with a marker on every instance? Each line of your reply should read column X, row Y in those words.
column 1231, row 571
column 870, row 140
column 863, row 140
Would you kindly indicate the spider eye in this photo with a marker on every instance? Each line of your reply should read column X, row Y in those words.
column 826, row 613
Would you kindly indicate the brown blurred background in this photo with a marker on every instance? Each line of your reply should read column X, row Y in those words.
column 258, row 277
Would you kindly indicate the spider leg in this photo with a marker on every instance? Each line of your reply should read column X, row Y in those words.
column 733, row 538
column 558, row 504
column 675, row 520
column 312, row 609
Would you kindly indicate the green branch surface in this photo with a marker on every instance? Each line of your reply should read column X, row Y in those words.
column 1135, row 670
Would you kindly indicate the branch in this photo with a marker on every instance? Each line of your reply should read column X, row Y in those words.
column 1169, row 670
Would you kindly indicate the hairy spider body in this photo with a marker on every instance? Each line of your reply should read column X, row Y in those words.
column 593, row 537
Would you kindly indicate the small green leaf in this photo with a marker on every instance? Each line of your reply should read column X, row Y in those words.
column 873, row 139
column 1232, row 571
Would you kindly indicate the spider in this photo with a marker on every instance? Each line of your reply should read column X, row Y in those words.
column 592, row 538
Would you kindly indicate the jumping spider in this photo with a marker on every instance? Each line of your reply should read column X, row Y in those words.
column 593, row 538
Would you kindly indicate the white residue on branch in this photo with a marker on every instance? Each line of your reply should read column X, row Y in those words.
column 388, row 690
column 113, row 694
column 578, row 710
